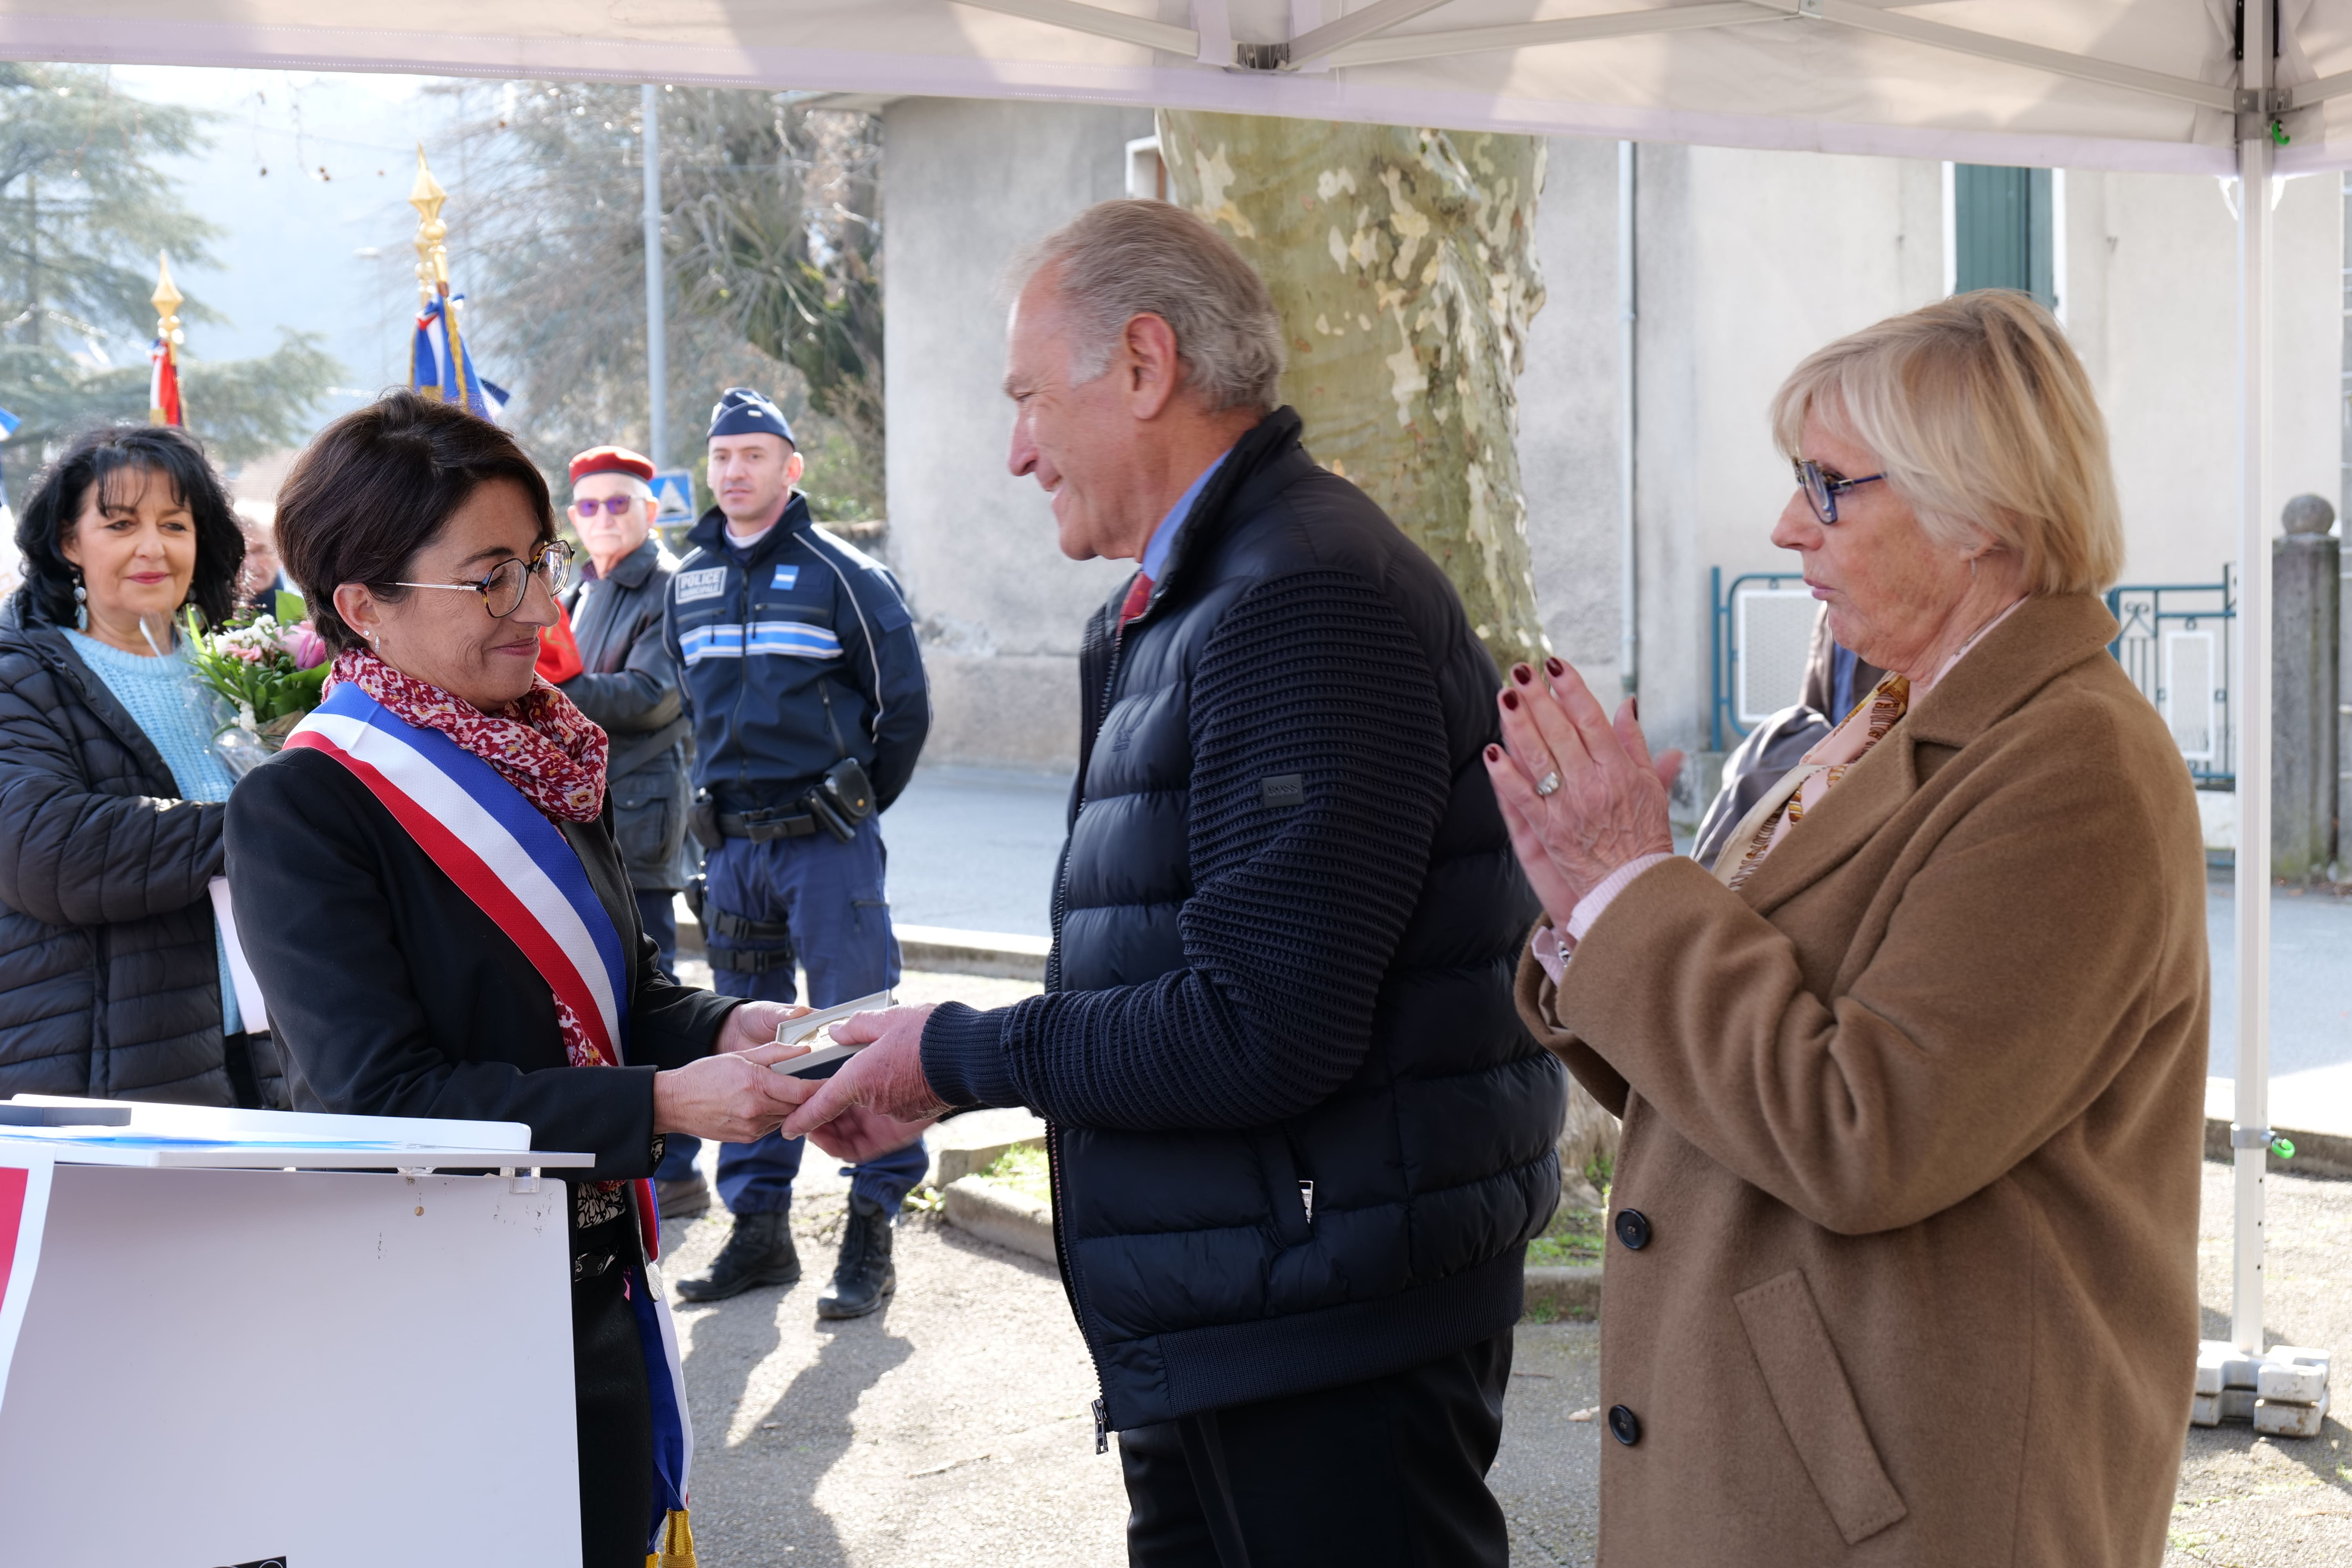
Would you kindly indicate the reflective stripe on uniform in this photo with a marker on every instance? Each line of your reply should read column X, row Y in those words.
column 793, row 639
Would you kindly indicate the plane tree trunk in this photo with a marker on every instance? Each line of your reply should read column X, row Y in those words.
column 1403, row 263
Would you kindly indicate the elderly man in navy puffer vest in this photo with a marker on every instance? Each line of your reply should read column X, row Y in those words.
column 1300, row 1139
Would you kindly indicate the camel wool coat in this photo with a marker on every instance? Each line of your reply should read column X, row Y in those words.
column 1901, row 1262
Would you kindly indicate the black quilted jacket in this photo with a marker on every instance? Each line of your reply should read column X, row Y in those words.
column 1300, row 1134
column 109, row 979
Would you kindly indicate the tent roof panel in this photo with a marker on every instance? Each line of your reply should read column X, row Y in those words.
column 1838, row 80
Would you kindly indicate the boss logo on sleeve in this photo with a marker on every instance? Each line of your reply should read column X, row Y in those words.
column 707, row 584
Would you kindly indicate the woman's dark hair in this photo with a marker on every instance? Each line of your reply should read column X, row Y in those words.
column 116, row 458
column 379, row 485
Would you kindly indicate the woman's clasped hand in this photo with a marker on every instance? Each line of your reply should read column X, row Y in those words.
column 734, row 1095
column 1580, row 793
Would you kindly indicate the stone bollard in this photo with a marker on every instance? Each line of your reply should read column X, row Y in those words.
column 2305, row 595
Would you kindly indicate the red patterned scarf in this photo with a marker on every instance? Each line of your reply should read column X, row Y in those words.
column 554, row 755
column 546, row 748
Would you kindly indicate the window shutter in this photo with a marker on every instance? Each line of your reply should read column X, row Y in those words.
column 2002, row 221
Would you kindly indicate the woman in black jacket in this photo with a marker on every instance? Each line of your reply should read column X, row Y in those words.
column 113, row 979
column 404, row 973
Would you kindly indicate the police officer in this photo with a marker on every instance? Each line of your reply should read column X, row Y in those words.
column 805, row 686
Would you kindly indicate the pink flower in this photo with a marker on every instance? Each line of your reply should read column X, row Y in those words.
column 250, row 655
column 304, row 645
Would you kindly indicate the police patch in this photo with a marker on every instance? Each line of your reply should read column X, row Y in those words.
column 786, row 578
column 707, row 584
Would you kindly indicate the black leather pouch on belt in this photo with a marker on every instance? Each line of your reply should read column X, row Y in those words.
column 702, row 821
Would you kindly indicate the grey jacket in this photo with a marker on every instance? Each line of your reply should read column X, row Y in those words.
column 629, row 685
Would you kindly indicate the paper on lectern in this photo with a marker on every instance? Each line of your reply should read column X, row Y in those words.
column 25, row 1175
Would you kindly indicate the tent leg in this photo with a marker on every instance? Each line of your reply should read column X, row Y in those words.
column 2281, row 1389
column 2254, row 713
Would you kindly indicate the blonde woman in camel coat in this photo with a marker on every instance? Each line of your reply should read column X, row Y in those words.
column 1903, row 1255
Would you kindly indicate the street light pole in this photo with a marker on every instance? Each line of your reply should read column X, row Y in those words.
column 657, row 344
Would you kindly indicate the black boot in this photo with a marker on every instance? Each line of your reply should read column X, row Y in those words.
column 864, row 1274
column 682, row 1197
column 759, row 1251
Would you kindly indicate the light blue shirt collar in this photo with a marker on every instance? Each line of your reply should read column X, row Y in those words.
column 1163, row 538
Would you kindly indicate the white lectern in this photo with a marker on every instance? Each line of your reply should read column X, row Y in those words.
column 235, row 1337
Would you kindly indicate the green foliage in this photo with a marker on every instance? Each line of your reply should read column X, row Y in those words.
column 1575, row 1237
column 1026, row 1169
column 83, row 212
column 771, row 237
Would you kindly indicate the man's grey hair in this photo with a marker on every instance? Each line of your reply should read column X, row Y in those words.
column 1118, row 260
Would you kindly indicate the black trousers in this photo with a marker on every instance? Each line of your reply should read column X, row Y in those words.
column 616, row 1413
column 1389, row 1471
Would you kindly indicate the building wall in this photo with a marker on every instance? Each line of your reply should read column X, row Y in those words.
column 968, row 183
column 1747, row 262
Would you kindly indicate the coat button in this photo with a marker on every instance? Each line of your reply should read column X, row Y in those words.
column 1633, row 1228
column 1624, row 1425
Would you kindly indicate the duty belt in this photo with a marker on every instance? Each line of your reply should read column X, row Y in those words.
column 760, row 827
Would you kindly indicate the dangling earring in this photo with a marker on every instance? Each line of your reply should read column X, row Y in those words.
column 81, row 603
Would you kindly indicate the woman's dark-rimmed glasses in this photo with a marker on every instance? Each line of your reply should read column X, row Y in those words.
column 1821, row 489
column 503, row 589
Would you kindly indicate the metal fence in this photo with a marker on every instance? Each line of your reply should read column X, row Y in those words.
column 1763, row 628
column 2174, row 642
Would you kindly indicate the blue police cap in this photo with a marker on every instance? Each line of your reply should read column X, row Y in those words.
column 740, row 411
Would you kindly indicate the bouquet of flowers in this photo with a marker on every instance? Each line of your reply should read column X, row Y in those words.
column 266, row 674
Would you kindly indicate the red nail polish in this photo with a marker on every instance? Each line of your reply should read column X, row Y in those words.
column 1522, row 674
column 1511, row 701
column 1494, row 753
column 1637, row 708
column 1556, row 668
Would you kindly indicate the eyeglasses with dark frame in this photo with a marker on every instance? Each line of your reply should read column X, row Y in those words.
column 1821, row 491
column 613, row 506
column 503, row 589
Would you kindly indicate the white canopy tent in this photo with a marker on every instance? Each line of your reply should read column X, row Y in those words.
column 2152, row 86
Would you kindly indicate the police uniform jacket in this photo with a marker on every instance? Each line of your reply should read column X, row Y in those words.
column 793, row 654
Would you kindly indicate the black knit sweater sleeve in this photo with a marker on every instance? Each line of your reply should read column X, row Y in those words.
column 1296, row 910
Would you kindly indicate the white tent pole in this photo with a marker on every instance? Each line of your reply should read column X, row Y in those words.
column 2252, row 698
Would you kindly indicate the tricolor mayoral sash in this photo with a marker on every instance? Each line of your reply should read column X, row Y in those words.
column 522, row 873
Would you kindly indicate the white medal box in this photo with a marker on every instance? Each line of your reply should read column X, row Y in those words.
column 239, row 1337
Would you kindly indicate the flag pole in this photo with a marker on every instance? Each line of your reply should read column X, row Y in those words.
column 163, row 384
column 432, row 271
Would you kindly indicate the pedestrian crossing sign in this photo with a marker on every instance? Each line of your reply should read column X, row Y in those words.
column 674, row 489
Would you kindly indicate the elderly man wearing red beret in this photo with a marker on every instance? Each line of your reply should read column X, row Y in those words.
column 628, row 684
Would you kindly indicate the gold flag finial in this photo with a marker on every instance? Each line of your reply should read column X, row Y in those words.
column 432, row 256
column 166, row 299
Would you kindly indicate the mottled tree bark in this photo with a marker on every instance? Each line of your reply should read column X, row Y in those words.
column 1403, row 264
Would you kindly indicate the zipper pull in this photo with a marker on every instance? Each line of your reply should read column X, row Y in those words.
column 1306, row 1200
column 1102, row 1429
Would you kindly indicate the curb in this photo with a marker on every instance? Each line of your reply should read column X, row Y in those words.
column 994, row 1212
column 2315, row 1153
column 963, row 1145
column 942, row 950
column 1570, row 1292
column 998, row 955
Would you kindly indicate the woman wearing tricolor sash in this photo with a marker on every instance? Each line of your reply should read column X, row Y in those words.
column 429, row 893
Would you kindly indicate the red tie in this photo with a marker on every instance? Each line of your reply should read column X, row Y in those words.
column 1139, row 593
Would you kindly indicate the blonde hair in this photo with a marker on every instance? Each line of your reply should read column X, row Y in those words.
column 1983, row 419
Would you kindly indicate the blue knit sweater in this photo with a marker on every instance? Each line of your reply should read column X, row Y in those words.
column 168, row 702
